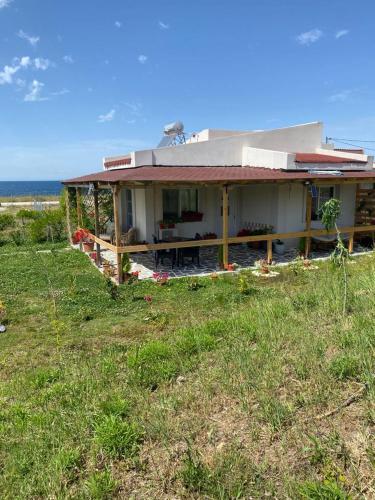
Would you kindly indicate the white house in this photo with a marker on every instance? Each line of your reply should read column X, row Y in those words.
column 267, row 174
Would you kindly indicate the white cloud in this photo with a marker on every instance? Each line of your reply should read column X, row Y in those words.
column 341, row 33
column 142, row 59
column 118, row 24
column 107, row 117
column 340, row 96
column 40, row 63
column 35, row 89
column 24, row 61
column 309, row 37
column 163, row 26
column 5, row 3
column 33, row 40
column 68, row 59
column 6, row 75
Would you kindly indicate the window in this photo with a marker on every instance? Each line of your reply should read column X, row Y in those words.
column 322, row 194
column 176, row 201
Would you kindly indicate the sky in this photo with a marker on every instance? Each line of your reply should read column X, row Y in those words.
column 84, row 79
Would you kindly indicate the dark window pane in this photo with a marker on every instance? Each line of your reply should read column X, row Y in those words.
column 170, row 204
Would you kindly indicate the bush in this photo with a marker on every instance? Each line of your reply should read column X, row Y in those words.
column 116, row 437
column 50, row 226
column 6, row 221
column 18, row 237
column 26, row 214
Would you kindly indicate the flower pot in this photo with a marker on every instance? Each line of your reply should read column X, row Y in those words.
column 88, row 246
column 279, row 248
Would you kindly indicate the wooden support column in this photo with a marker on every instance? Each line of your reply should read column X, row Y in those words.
column 269, row 251
column 308, row 220
column 97, row 225
column 225, row 226
column 67, row 211
column 79, row 207
column 116, row 212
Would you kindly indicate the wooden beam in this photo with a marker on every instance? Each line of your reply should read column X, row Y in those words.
column 67, row 211
column 236, row 239
column 225, row 226
column 116, row 212
column 308, row 220
column 97, row 224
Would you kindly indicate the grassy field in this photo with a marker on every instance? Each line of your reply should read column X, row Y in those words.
column 20, row 199
column 211, row 389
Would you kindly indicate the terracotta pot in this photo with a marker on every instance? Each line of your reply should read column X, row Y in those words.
column 88, row 246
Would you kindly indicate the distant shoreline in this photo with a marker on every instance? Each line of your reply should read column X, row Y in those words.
column 28, row 199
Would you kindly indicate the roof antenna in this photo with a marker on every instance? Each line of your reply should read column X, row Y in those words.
column 173, row 135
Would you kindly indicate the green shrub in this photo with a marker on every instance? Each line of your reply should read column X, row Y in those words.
column 345, row 366
column 18, row 237
column 26, row 214
column 101, row 485
column 50, row 226
column 116, row 437
column 7, row 221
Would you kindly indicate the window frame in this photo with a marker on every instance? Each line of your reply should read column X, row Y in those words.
column 315, row 211
column 180, row 190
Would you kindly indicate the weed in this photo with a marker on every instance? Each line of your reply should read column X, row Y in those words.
column 100, row 485
column 345, row 366
column 116, row 437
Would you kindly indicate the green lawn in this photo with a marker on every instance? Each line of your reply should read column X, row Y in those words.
column 206, row 392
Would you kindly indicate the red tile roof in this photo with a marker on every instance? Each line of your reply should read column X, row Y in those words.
column 320, row 158
column 208, row 175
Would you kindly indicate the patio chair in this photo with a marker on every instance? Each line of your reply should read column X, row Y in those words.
column 190, row 252
column 160, row 255
column 109, row 232
column 129, row 238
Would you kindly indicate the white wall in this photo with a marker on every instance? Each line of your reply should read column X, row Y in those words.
column 280, row 205
column 228, row 150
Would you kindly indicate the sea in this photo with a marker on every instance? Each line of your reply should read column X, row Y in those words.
column 29, row 188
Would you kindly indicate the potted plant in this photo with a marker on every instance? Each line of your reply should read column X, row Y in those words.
column 191, row 216
column 83, row 236
column 209, row 236
column 279, row 247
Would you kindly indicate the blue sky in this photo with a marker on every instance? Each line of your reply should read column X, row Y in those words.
column 84, row 79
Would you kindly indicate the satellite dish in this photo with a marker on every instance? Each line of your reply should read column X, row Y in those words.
column 173, row 134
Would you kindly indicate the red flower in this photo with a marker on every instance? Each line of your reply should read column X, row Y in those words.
column 148, row 299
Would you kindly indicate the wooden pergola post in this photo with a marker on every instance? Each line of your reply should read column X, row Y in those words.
column 67, row 211
column 225, row 226
column 308, row 220
column 79, row 207
column 116, row 212
column 269, row 251
column 97, row 225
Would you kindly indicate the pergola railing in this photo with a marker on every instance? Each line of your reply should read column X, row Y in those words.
column 224, row 241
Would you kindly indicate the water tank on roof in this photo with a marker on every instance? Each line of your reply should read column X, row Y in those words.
column 175, row 128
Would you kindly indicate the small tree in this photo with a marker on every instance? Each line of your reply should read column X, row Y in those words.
column 330, row 212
